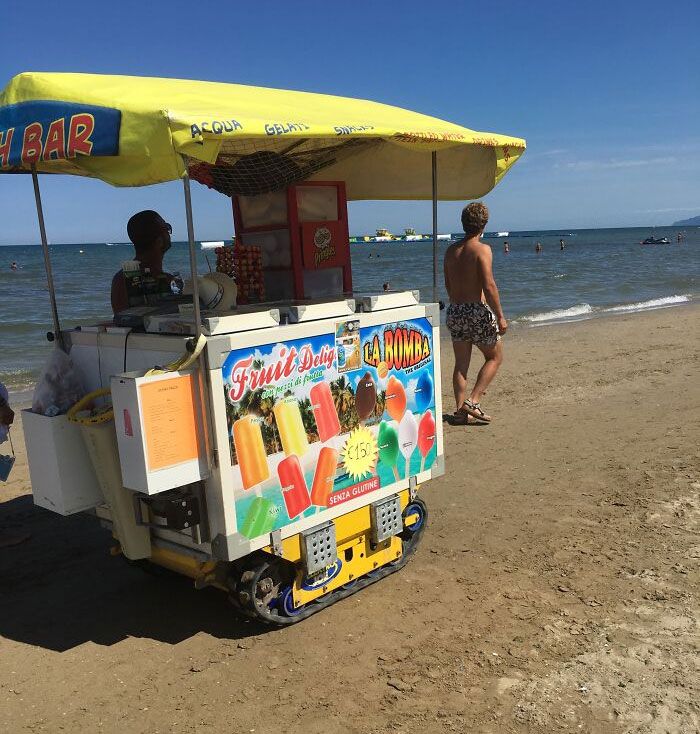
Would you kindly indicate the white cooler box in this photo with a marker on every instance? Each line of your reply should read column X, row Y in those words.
column 60, row 485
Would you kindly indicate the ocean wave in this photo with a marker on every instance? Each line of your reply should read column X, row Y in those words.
column 653, row 303
column 585, row 310
column 561, row 275
column 581, row 309
column 19, row 380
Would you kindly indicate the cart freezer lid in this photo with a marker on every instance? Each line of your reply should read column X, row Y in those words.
column 134, row 131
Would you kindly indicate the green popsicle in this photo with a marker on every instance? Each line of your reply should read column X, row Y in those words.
column 388, row 440
column 259, row 519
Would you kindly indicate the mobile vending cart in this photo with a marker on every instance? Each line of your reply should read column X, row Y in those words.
column 274, row 450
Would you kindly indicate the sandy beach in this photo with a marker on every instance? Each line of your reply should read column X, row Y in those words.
column 556, row 588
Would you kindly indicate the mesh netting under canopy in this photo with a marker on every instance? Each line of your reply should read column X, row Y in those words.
column 259, row 166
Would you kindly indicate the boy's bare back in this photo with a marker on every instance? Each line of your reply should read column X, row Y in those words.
column 467, row 264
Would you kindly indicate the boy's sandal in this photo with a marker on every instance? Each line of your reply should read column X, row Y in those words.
column 475, row 411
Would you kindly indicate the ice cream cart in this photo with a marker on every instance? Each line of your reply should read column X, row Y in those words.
column 276, row 449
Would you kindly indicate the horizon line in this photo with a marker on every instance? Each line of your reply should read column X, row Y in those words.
column 511, row 233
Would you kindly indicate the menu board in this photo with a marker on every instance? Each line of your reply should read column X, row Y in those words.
column 169, row 421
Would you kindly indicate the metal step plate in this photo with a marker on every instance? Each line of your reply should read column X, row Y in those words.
column 319, row 547
column 386, row 518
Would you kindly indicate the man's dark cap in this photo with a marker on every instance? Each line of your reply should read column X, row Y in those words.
column 144, row 227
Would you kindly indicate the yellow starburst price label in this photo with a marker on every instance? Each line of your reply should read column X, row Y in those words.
column 360, row 453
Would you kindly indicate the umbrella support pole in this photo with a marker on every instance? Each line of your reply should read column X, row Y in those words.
column 47, row 259
column 193, row 258
column 435, row 227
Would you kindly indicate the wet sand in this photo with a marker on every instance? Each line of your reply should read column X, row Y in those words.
column 556, row 588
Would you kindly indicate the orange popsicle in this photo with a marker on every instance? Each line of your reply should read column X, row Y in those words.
column 395, row 399
column 291, row 427
column 324, row 476
column 250, row 451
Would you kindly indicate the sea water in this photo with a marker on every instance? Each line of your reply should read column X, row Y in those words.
column 600, row 272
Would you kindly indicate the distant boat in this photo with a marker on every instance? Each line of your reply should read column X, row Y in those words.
column 212, row 245
column 383, row 235
column 409, row 235
column 502, row 234
column 655, row 241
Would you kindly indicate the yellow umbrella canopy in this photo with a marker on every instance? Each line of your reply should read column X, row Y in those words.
column 135, row 131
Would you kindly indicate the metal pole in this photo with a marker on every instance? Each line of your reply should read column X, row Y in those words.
column 47, row 259
column 435, row 228
column 193, row 258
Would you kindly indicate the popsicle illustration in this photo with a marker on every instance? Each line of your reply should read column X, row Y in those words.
column 324, row 476
column 365, row 396
column 424, row 391
column 408, row 438
column 388, row 442
column 293, row 485
column 395, row 399
column 250, row 451
column 259, row 519
column 291, row 427
column 426, row 436
column 325, row 414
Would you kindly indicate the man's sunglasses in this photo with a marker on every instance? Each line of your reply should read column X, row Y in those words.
column 169, row 227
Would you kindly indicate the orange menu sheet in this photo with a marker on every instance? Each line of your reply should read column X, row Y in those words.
column 169, row 421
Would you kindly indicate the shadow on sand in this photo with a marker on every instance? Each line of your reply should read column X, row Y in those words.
column 452, row 420
column 61, row 588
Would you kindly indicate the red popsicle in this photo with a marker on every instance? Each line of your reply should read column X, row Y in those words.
column 426, row 435
column 293, row 485
column 325, row 414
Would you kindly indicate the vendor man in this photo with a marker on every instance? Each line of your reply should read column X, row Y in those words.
column 150, row 234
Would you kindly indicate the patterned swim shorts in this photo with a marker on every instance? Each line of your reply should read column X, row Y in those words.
column 472, row 322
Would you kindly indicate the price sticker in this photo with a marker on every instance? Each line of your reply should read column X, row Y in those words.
column 360, row 453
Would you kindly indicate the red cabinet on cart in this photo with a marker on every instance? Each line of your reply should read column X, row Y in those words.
column 302, row 232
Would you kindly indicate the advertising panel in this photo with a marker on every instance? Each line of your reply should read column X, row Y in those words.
column 316, row 422
column 48, row 130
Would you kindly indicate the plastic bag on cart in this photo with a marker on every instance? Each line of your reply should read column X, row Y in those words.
column 59, row 387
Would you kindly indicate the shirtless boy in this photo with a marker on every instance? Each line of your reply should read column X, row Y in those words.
column 469, row 282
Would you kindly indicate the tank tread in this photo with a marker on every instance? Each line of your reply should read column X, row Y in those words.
column 266, row 603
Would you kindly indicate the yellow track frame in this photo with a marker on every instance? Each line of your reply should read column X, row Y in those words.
column 353, row 538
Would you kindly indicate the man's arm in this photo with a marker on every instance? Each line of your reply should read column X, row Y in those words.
column 484, row 262
column 120, row 300
column 447, row 277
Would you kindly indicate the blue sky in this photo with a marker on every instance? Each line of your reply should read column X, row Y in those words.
column 606, row 94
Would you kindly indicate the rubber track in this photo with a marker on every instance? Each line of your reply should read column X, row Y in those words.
column 253, row 611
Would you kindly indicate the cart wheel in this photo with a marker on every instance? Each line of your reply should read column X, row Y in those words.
column 258, row 589
column 286, row 602
column 416, row 507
